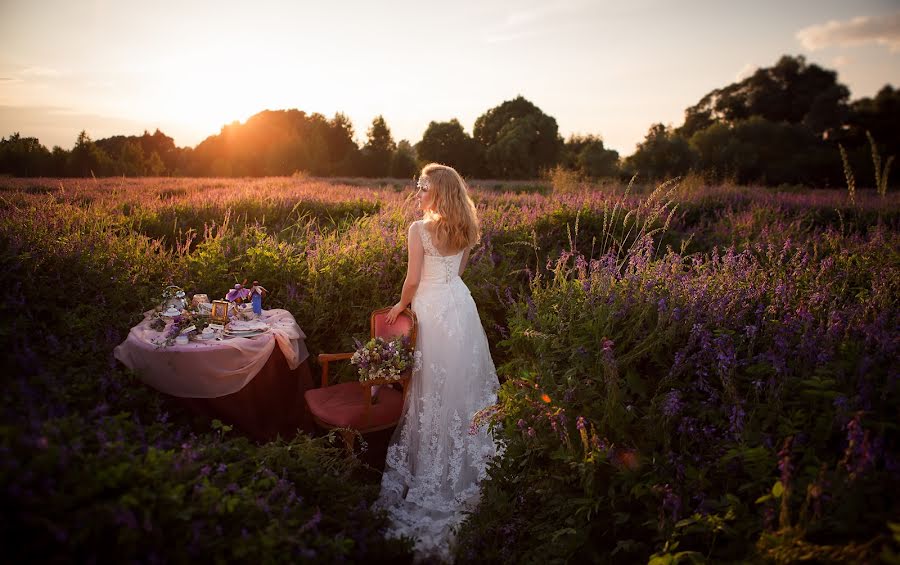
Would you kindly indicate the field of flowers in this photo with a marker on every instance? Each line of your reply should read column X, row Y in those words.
column 690, row 373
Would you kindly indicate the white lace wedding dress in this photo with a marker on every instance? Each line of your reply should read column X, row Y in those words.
column 434, row 465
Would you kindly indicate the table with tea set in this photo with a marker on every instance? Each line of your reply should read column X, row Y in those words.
column 236, row 362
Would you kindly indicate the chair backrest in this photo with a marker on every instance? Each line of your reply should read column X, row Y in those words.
column 405, row 324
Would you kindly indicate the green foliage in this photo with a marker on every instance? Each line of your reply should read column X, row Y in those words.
column 403, row 161
column 663, row 153
column 278, row 143
column 583, row 304
column 90, row 452
column 378, row 150
column 448, row 143
column 131, row 159
column 86, row 159
column 759, row 150
column 589, row 157
column 594, row 160
column 643, row 415
column 23, row 156
column 790, row 91
column 154, row 165
column 127, row 492
column 519, row 140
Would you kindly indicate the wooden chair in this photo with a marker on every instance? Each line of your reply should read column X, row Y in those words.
column 348, row 406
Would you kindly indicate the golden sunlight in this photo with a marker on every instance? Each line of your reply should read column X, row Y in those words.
column 209, row 88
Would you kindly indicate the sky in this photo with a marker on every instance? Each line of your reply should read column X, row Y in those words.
column 599, row 67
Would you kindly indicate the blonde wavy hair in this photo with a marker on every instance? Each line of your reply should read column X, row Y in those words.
column 452, row 210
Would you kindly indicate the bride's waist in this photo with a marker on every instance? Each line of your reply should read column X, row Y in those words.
column 438, row 280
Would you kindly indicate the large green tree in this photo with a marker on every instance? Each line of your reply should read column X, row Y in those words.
column 518, row 139
column 791, row 91
column 278, row 142
column 86, row 159
column 588, row 156
column 157, row 142
column 448, row 143
column 131, row 159
column 343, row 152
column 663, row 154
column 379, row 149
column 24, row 156
column 403, row 162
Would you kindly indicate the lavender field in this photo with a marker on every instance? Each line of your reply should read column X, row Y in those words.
column 691, row 373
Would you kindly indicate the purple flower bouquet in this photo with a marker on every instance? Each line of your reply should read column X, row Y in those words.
column 380, row 359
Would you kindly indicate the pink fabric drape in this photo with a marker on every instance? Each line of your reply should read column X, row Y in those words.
column 257, row 384
column 210, row 369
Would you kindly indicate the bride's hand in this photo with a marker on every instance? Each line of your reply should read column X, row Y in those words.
column 395, row 311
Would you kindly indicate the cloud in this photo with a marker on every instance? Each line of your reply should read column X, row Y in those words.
column 530, row 21
column 40, row 72
column 882, row 30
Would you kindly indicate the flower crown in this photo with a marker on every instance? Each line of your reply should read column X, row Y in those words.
column 423, row 183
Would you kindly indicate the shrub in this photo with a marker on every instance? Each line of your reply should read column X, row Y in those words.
column 699, row 403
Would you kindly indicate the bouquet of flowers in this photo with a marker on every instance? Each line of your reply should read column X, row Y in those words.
column 382, row 359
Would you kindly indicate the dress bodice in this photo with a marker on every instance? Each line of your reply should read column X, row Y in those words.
column 437, row 268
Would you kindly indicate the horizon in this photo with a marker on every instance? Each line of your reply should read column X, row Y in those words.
column 188, row 70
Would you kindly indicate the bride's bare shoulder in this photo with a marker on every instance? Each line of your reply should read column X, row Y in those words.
column 415, row 229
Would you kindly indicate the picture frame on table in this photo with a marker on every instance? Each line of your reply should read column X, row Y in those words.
column 219, row 311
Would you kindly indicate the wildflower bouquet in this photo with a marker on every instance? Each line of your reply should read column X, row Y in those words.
column 382, row 359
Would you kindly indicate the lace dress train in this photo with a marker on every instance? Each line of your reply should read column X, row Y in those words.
column 434, row 464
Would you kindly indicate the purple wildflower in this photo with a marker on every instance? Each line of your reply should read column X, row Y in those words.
column 672, row 404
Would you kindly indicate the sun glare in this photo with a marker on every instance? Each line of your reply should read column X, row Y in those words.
column 205, row 91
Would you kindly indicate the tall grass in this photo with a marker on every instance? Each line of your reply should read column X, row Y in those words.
column 848, row 175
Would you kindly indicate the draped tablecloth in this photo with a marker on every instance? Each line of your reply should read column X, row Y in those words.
column 255, row 383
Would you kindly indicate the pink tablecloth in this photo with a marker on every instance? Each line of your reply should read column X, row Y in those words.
column 210, row 369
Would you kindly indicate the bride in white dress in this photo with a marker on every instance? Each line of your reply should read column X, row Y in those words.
column 434, row 462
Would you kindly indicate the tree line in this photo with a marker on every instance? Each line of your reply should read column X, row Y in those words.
column 784, row 124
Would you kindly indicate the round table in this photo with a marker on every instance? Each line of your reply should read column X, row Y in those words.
column 255, row 384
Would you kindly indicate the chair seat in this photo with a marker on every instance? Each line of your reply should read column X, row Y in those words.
column 344, row 406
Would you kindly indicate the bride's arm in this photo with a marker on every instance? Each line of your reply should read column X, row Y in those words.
column 463, row 261
column 415, row 257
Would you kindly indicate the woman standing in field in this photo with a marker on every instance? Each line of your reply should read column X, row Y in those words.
column 434, row 464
